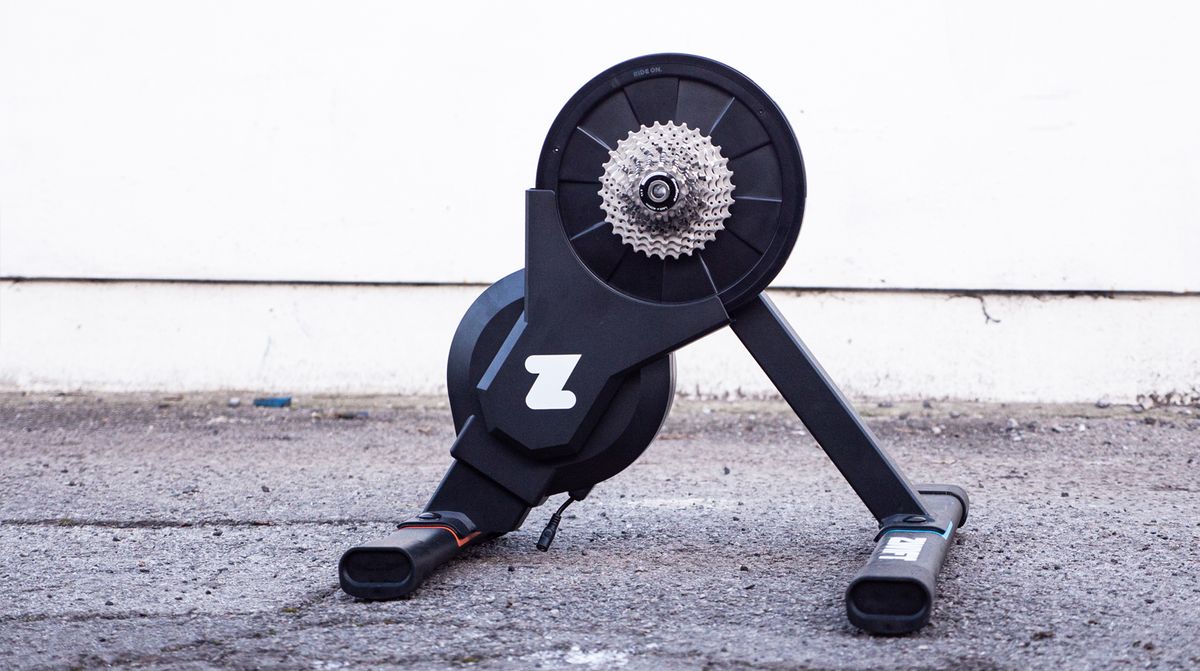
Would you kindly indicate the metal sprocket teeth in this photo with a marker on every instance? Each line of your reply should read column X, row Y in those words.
column 704, row 190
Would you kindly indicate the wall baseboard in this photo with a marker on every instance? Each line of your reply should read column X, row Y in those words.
column 150, row 336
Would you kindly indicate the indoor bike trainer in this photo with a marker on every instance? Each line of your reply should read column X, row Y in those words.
column 669, row 193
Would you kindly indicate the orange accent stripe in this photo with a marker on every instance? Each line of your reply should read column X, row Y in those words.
column 461, row 541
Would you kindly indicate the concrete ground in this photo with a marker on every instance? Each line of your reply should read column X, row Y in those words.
column 173, row 532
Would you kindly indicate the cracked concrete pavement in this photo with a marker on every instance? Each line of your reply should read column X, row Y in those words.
column 175, row 532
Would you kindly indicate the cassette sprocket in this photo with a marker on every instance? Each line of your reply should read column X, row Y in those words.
column 666, row 190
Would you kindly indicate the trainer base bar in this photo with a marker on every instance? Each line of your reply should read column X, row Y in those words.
column 895, row 592
column 395, row 566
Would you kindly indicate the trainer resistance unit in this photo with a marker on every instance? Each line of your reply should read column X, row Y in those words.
column 670, row 192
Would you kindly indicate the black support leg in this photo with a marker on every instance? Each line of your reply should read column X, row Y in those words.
column 827, row 414
column 894, row 592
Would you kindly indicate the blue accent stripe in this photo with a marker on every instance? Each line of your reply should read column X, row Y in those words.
column 946, row 534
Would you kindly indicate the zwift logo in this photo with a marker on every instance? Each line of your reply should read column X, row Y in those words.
column 552, row 371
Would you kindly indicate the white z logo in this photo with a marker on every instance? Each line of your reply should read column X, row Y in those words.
column 552, row 371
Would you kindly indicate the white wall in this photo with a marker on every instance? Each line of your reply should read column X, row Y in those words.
column 1019, row 146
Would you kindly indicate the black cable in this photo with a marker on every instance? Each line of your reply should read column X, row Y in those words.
column 551, row 529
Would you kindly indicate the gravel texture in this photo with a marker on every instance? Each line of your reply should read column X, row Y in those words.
column 179, row 532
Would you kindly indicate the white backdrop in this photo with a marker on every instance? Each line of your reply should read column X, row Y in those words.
column 1025, row 145
column 953, row 149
